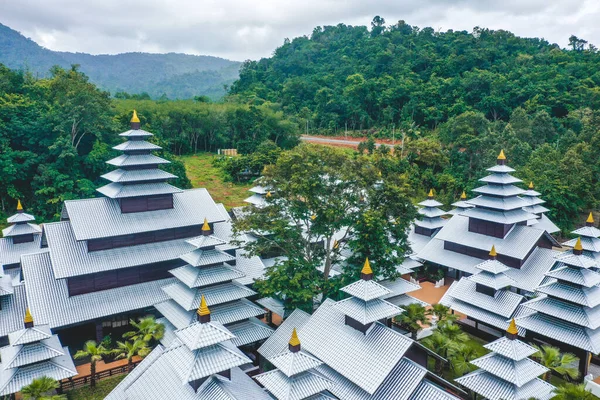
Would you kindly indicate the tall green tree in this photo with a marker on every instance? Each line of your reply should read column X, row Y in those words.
column 94, row 352
column 146, row 329
column 564, row 364
column 131, row 348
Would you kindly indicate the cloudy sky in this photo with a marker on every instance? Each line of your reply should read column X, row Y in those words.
column 239, row 30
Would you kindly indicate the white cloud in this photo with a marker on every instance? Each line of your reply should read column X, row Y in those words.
column 238, row 29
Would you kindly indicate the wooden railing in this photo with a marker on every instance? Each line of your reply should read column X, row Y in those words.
column 84, row 380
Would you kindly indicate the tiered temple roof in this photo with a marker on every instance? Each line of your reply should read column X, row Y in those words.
column 431, row 220
column 209, row 273
column 201, row 362
column 461, row 205
column 33, row 352
column 295, row 376
column 112, row 255
column 589, row 236
column 534, row 206
column 568, row 307
column 507, row 373
column 23, row 236
column 138, row 173
column 498, row 219
column 485, row 296
column 361, row 356
column 259, row 196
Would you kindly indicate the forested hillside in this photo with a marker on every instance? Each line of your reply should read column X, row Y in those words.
column 374, row 78
column 56, row 134
column 178, row 76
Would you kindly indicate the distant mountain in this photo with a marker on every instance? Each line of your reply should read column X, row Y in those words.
column 179, row 76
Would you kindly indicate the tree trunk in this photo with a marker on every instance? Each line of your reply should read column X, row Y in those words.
column 130, row 364
column 93, row 374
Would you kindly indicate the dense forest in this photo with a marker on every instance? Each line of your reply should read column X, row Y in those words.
column 176, row 76
column 56, row 134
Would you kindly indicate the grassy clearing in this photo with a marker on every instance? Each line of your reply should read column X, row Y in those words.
column 201, row 172
column 102, row 389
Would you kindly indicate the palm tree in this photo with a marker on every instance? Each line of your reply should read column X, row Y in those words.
column 460, row 355
column 39, row 387
column 439, row 344
column 442, row 313
column 146, row 329
column 453, row 332
column 564, row 364
column 129, row 349
column 95, row 352
column 414, row 317
column 572, row 391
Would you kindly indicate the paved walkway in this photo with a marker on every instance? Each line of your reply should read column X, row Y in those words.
column 342, row 142
column 429, row 293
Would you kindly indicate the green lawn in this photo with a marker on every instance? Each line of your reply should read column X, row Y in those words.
column 102, row 389
column 201, row 172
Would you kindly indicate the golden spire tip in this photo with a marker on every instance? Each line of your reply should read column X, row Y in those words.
column 367, row 267
column 501, row 156
column 578, row 246
column 269, row 194
column 512, row 327
column 530, row 185
column 463, row 196
column 203, row 309
column 313, row 217
column 28, row 317
column 19, row 206
column 493, row 251
column 205, row 226
column 135, row 117
column 590, row 219
column 294, row 341
column 430, row 193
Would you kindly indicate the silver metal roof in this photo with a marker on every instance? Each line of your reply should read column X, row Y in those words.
column 498, row 203
column 512, row 349
column 434, row 252
column 417, row 241
column 499, row 190
column 429, row 391
column 122, row 191
column 199, row 335
column 494, row 388
column 136, row 133
column 71, row 257
column 430, row 212
column 588, row 243
column 544, row 223
column 563, row 331
column 578, row 276
column 10, row 253
column 132, row 145
column 533, row 271
column 189, row 299
column 20, row 355
column 21, row 229
column 256, row 200
column 500, row 169
column 366, row 312
column 201, row 258
column 294, row 363
column 430, row 203
column 50, row 303
column 580, row 261
column 584, row 316
column 500, row 178
column 517, row 243
column 298, row 387
column 196, row 277
column 132, row 160
column 536, row 209
column 58, row 368
column 589, row 231
column 249, row 331
column 516, row 372
column 502, row 217
column 20, row 217
column 252, row 267
column 494, row 281
column 277, row 343
column 492, row 266
column 12, row 310
column 366, row 290
column 138, row 175
column 504, row 303
column 29, row 335
column 398, row 287
column 403, row 300
column 589, row 297
column 430, row 223
column 101, row 217
column 202, row 241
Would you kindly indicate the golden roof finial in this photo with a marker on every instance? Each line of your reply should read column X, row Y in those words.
column 531, row 185
column 28, row 317
column 313, row 217
column 578, row 246
column 135, row 117
column 19, row 206
column 336, row 244
column 366, row 268
column 501, row 156
column 430, row 193
column 269, row 194
column 463, row 196
column 294, row 341
column 205, row 226
column 589, row 220
column 512, row 327
column 203, row 309
column 493, row 251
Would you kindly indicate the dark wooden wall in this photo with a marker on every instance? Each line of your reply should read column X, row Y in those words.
column 146, row 203
column 144, row 238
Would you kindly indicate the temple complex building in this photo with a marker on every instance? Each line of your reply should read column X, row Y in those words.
column 534, row 206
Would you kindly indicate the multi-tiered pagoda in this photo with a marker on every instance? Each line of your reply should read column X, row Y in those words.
column 534, row 206
column 507, row 373
column 461, row 205
column 485, row 297
column 33, row 352
column 109, row 257
column 497, row 219
column 589, row 236
column 201, row 362
column 431, row 220
column 295, row 377
column 209, row 273
column 23, row 236
column 359, row 353
column 567, row 309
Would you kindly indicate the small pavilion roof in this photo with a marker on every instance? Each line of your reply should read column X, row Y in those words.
column 199, row 335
